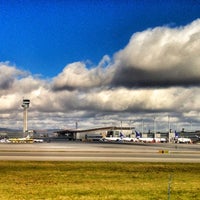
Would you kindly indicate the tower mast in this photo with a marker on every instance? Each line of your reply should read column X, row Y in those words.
column 25, row 106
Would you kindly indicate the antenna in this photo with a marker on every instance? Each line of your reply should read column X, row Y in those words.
column 154, row 126
column 25, row 105
column 76, row 124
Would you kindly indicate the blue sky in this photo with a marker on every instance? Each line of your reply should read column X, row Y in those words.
column 44, row 36
column 100, row 62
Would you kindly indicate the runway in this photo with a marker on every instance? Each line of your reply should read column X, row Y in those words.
column 82, row 151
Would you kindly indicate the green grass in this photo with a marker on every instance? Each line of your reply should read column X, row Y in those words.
column 98, row 180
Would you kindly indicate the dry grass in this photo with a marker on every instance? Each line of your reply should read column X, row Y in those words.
column 98, row 180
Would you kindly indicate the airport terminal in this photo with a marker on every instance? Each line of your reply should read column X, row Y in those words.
column 128, row 132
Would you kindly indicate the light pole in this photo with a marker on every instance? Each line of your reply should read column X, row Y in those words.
column 154, row 127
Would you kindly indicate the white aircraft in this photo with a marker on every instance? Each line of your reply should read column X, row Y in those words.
column 127, row 139
column 146, row 140
column 160, row 140
column 38, row 140
column 178, row 139
column 120, row 138
column 197, row 136
column 112, row 139
column 4, row 140
column 141, row 139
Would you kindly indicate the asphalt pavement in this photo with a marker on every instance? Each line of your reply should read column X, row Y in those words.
column 89, row 151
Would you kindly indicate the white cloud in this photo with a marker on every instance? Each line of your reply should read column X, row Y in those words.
column 159, row 57
column 162, row 47
column 7, row 75
column 78, row 76
column 162, row 56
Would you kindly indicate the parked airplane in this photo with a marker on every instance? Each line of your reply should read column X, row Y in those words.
column 146, row 140
column 4, row 140
column 160, row 140
column 178, row 139
column 141, row 139
column 149, row 139
column 120, row 138
column 38, row 140
column 197, row 137
column 127, row 139
column 111, row 139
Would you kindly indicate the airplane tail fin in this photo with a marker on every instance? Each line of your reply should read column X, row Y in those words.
column 197, row 136
column 28, row 137
column 176, row 135
column 121, row 135
column 137, row 134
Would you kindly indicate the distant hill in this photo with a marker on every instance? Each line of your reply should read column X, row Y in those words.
column 9, row 130
column 37, row 131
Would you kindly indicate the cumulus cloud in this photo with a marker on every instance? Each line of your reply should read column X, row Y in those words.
column 142, row 100
column 16, row 84
column 160, row 57
column 7, row 75
column 78, row 76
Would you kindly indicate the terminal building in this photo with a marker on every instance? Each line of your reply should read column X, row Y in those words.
column 95, row 133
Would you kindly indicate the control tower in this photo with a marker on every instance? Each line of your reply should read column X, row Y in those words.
column 25, row 106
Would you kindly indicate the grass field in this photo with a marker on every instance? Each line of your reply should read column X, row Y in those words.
column 99, row 180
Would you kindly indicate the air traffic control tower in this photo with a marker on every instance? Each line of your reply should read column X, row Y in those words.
column 25, row 105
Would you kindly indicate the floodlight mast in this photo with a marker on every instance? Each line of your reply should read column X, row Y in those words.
column 25, row 105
